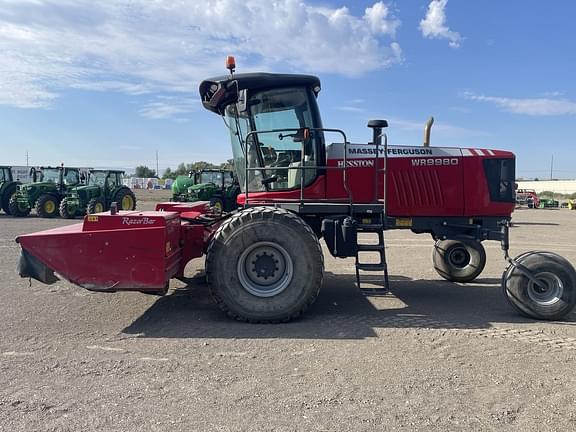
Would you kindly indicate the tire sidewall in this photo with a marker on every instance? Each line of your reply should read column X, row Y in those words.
column 65, row 211
column 91, row 208
column 119, row 196
column 516, row 285
column 41, row 202
column 7, row 195
column 225, row 283
column 448, row 271
column 15, row 209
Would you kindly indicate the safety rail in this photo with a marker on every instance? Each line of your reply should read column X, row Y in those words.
column 302, row 168
column 384, row 171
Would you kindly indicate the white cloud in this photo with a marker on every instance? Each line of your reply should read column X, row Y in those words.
column 350, row 108
column 529, row 106
column 169, row 107
column 354, row 105
column 141, row 46
column 433, row 26
column 378, row 16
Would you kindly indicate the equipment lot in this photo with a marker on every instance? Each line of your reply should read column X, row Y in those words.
column 432, row 355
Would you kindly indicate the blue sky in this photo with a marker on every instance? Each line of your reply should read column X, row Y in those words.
column 108, row 83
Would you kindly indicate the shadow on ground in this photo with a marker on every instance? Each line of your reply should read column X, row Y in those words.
column 341, row 311
column 514, row 224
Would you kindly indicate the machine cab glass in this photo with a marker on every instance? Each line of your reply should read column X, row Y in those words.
column 266, row 127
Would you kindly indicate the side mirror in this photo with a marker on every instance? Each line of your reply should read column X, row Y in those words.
column 241, row 105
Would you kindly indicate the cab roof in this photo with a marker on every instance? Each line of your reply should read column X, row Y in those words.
column 218, row 92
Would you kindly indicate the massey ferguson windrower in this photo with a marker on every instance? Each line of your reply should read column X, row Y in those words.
column 264, row 262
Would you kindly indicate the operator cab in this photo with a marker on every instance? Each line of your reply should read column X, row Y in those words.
column 274, row 127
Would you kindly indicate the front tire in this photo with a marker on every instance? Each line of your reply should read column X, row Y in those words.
column 17, row 209
column 96, row 205
column 459, row 260
column 67, row 210
column 47, row 206
column 264, row 265
column 553, row 298
column 217, row 205
column 9, row 192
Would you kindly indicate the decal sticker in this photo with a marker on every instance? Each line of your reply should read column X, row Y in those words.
column 403, row 222
column 138, row 221
column 357, row 163
column 92, row 218
column 434, row 162
column 368, row 151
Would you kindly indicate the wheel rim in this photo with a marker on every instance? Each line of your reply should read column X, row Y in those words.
column 69, row 208
column 548, row 291
column 458, row 257
column 127, row 202
column 265, row 269
column 98, row 208
column 217, row 207
column 49, row 206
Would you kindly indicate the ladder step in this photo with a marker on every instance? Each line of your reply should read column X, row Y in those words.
column 371, row 267
column 370, row 227
column 370, row 248
column 374, row 292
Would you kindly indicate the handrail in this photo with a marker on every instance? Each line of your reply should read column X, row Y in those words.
column 302, row 156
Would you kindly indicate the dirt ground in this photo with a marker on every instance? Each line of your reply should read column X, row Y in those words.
column 432, row 355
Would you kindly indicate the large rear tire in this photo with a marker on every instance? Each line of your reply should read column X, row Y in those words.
column 9, row 192
column 264, row 265
column 459, row 260
column 47, row 206
column 554, row 298
column 126, row 199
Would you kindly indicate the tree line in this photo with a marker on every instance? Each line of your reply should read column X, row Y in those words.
column 182, row 169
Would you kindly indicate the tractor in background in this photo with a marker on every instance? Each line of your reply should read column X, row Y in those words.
column 217, row 186
column 49, row 185
column 548, row 203
column 8, row 188
column 527, row 197
column 104, row 187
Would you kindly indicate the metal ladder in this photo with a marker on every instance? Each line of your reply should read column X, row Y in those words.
column 375, row 226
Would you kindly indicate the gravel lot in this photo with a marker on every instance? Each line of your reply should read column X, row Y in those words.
column 432, row 355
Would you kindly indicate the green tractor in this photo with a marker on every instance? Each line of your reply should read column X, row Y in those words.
column 8, row 188
column 104, row 187
column 217, row 186
column 182, row 183
column 49, row 185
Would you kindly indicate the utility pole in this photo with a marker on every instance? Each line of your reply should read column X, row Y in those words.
column 157, row 171
column 551, row 166
column 27, row 160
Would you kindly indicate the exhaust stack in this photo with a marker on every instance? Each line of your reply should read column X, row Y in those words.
column 427, row 129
